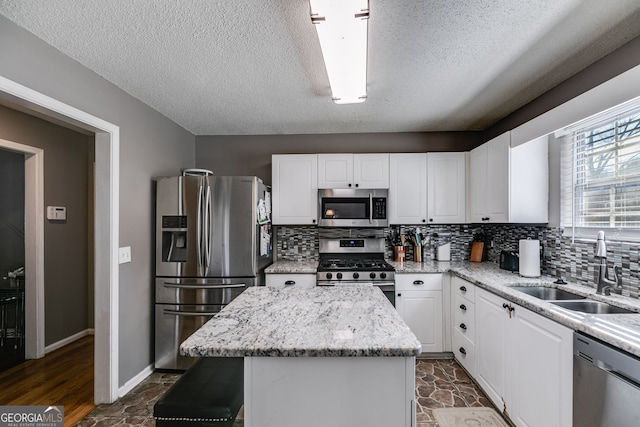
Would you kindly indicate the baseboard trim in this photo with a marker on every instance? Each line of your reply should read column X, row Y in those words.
column 130, row 385
column 68, row 340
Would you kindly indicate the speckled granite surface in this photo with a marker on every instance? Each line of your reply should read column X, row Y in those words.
column 619, row 330
column 289, row 267
column 338, row 321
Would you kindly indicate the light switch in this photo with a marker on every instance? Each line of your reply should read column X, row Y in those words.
column 124, row 255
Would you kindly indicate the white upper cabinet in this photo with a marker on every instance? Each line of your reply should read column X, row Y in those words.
column 335, row 171
column 427, row 188
column 408, row 188
column 509, row 184
column 371, row 170
column 446, row 182
column 295, row 189
column 367, row 171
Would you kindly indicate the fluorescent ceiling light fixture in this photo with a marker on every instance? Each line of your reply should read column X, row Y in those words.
column 342, row 30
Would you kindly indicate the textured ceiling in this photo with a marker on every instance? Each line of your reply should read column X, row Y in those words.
column 254, row 67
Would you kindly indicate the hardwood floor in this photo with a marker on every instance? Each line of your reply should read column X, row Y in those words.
column 63, row 377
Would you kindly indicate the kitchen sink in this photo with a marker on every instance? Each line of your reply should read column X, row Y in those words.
column 545, row 293
column 592, row 307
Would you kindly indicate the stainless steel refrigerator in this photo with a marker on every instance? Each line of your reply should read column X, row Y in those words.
column 213, row 240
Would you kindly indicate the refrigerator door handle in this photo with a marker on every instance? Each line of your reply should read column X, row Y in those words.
column 207, row 231
column 190, row 313
column 223, row 286
column 199, row 231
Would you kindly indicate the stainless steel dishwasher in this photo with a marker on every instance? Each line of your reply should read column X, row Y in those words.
column 606, row 385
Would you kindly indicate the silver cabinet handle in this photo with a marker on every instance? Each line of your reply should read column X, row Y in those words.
column 289, row 282
column 370, row 207
column 418, row 282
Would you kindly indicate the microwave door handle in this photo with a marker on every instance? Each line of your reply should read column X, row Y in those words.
column 370, row 208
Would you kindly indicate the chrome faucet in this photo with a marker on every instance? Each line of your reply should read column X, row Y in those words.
column 606, row 285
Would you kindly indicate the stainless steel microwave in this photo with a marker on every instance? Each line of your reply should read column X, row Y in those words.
column 353, row 208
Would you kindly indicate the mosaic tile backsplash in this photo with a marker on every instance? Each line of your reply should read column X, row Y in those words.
column 574, row 262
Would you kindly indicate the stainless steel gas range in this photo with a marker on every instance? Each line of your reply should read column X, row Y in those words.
column 350, row 261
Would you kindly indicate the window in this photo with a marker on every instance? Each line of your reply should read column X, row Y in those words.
column 600, row 176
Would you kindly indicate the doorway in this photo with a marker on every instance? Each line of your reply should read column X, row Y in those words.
column 106, row 226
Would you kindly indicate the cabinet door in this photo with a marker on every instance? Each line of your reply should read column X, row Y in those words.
column 408, row 188
column 491, row 345
column 335, row 170
column 478, row 183
column 446, row 176
column 371, row 170
column 498, row 178
column 295, row 189
column 422, row 312
column 540, row 371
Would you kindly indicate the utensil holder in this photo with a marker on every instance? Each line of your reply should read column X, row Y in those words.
column 398, row 254
column 417, row 253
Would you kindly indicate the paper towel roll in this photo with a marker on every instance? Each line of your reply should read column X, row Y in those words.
column 529, row 258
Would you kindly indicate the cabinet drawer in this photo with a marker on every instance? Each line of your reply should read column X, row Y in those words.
column 465, row 352
column 464, row 320
column 464, row 289
column 419, row 282
column 299, row 280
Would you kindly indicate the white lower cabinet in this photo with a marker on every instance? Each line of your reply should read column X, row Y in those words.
column 419, row 302
column 277, row 280
column 463, row 321
column 524, row 362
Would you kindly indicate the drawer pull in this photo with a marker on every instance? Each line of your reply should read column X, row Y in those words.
column 463, row 351
column 463, row 326
column 463, row 307
column 290, row 282
column 418, row 282
column 463, row 288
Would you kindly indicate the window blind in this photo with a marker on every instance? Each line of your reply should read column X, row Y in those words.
column 600, row 170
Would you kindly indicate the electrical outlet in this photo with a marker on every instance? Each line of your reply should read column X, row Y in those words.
column 124, row 254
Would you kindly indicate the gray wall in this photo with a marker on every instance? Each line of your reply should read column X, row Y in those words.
column 150, row 145
column 11, row 210
column 66, row 170
column 617, row 62
column 251, row 155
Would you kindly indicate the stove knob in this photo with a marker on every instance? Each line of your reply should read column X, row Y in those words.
column 329, row 275
column 383, row 275
column 356, row 275
column 372, row 275
column 339, row 275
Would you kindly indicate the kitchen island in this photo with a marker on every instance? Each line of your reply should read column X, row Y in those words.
column 325, row 356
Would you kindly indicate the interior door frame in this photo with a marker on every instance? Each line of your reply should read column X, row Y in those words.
column 106, row 218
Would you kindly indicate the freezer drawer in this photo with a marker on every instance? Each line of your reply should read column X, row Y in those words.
column 174, row 324
column 200, row 291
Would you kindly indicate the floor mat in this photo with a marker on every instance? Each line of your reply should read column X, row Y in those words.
column 468, row 417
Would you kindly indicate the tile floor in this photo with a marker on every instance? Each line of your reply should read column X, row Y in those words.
column 440, row 383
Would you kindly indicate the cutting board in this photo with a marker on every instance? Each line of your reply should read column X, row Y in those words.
column 477, row 249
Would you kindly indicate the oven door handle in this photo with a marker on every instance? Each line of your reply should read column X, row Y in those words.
column 190, row 313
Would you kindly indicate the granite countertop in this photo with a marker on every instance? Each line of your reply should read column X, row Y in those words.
column 289, row 267
column 619, row 330
column 336, row 321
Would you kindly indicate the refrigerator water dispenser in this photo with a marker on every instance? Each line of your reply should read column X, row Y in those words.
column 174, row 238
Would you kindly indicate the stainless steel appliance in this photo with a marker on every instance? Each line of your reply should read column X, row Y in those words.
column 606, row 384
column 210, row 245
column 353, row 208
column 349, row 261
